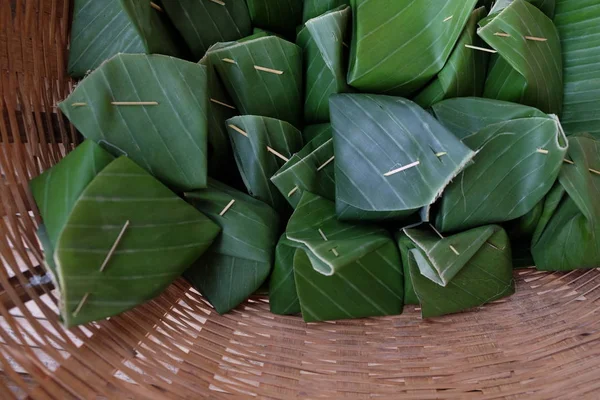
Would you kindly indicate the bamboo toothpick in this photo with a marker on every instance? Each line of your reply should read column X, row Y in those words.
column 81, row 304
column 436, row 231
column 536, row 39
column 323, row 235
column 271, row 150
column 78, row 104
column 468, row 46
column 228, row 60
column 294, row 190
column 235, row 128
column 270, row 70
column 542, row 151
column 335, row 253
column 395, row 171
column 134, row 103
column 449, row 18
column 345, row 44
column 156, row 6
column 502, row 34
column 222, row 104
column 227, row 207
column 568, row 161
column 114, row 246
column 441, row 153
column 594, row 171
column 454, row 250
column 219, row 2
column 326, row 163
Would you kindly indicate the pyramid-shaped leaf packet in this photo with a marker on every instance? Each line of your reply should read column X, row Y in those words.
column 568, row 233
column 399, row 46
column 126, row 238
column 263, row 77
column 283, row 297
column 342, row 270
column 102, row 29
column 458, row 272
column 261, row 147
column 276, row 16
column 323, row 41
column 311, row 169
column 203, row 23
column 464, row 73
column 315, row 8
column 241, row 258
column 150, row 108
column 391, row 157
column 528, row 43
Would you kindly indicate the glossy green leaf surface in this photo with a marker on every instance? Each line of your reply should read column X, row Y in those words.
column 323, row 41
column 283, row 298
column 355, row 273
column 241, row 257
column 276, row 93
column 546, row 6
column 405, row 245
column 168, row 139
column 257, row 164
column 315, row 8
column 163, row 237
column 276, row 15
column 384, row 61
column 376, row 135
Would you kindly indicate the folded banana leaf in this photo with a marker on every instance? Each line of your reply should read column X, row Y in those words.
column 577, row 23
column 392, row 157
column 520, row 232
column 126, row 237
column 102, row 29
column 283, row 298
column 240, row 259
column 342, row 270
column 152, row 109
column 568, row 233
column 323, row 41
column 315, row 8
column 312, row 131
column 405, row 244
column 261, row 146
column 276, row 15
column 546, row 6
column 203, row 23
column 263, row 77
column 311, row 169
column 458, row 272
column 528, row 68
column 464, row 73
column 399, row 46
column 517, row 163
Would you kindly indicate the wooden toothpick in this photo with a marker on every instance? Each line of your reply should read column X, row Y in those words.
column 326, row 163
column 222, row 104
column 542, row 151
column 156, row 6
column 449, row 18
column 227, row 207
column 81, row 304
column 536, row 39
column 335, row 253
column 219, row 2
column 264, row 69
column 134, row 103
column 568, row 161
column 436, row 231
column 294, row 190
column 235, row 128
column 114, row 246
column 502, row 34
column 78, row 104
column 594, row 171
column 454, row 250
column 229, row 60
column 322, row 235
column 395, row 171
column 441, row 153
column 468, row 46
column 271, row 150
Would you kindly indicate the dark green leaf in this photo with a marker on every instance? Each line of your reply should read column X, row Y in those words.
column 283, row 298
column 315, row 8
column 276, row 15
column 312, row 131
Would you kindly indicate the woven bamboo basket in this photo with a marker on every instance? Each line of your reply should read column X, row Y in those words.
column 541, row 343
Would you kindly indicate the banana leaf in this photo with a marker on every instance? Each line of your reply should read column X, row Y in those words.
column 48, row 249
column 464, row 73
column 342, row 270
column 520, row 232
column 240, row 259
column 528, row 68
column 126, row 239
column 276, row 15
column 567, row 235
column 255, row 153
column 405, row 244
column 312, row 131
column 374, row 136
column 275, row 92
column 283, row 298
column 517, row 163
column 546, row 6
column 315, row 8
column 577, row 24
column 102, row 29
column 169, row 137
column 399, row 46
column 446, row 282
column 323, row 41
column 311, row 169
column 203, row 23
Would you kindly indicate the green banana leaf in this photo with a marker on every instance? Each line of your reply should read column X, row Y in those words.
column 315, row 8
column 480, row 273
column 276, row 15
column 168, row 139
column 375, row 135
column 257, row 164
column 464, row 73
column 240, row 259
column 567, row 235
column 399, row 46
column 342, row 270
column 283, row 298
column 526, row 71
column 203, row 23
column 102, row 29
column 323, row 41
column 126, row 239
column 312, row 131
column 276, row 93
column 485, row 3
column 48, row 249
column 517, row 163
column 520, row 233
column 405, row 245
column 577, row 24
column 546, row 6
column 311, row 169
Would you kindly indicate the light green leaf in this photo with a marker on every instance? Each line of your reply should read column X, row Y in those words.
column 168, row 139
column 163, row 237
column 399, row 46
column 255, row 141
column 241, row 257
column 276, row 15
column 315, row 8
column 275, row 93
column 322, row 40
column 283, row 298
column 377, row 135
column 48, row 249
